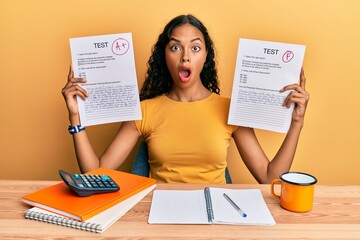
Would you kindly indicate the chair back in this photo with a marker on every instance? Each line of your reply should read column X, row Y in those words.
column 141, row 165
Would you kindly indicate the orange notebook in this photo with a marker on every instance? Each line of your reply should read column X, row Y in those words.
column 62, row 200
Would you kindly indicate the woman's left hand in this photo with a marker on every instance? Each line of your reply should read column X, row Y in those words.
column 299, row 96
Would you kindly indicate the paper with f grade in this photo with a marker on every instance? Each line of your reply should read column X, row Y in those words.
column 107, row 62
column 262, row 69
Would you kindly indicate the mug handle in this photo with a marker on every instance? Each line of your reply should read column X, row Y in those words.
column 272, row 188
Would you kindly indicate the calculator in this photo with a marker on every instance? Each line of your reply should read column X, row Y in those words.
column 86, row 185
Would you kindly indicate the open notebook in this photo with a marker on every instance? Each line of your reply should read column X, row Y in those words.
column 209, row 206
column 98, row 223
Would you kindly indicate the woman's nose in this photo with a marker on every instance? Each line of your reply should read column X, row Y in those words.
column 185, row 59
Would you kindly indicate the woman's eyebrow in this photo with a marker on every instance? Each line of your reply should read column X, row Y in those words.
column 177, row 40
column 196, row 39
column 174, row 39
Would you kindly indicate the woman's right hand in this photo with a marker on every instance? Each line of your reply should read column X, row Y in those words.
column 70, row 91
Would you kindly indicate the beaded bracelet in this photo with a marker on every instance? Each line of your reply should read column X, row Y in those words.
column 75, row 129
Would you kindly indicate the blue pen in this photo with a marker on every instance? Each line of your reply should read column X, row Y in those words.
column 234, row 205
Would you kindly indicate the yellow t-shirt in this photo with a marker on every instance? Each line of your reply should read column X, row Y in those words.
column 187, row 141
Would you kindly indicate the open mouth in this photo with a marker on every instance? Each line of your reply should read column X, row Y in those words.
column 184, row 74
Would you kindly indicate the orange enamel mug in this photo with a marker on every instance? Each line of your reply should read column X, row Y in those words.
column 297, row 191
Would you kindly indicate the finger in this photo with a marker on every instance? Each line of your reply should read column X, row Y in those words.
column 302, row 78
column 71, row 73
column 295, row 87
column 72, row 80
column 82, row 95
column 79, row 91
column 300, row 102
column 296, row 97
column 73, row 91
column 77, row 80
column 70, row 76
column 288, row 101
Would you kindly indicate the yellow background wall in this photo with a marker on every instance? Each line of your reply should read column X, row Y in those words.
column 35, row 57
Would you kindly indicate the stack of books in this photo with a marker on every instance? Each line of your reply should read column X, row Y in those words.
column 58, row 204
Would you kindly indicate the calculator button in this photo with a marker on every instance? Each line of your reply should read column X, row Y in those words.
column 105, row 178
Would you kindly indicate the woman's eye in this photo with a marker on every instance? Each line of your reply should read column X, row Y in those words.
column 196, row 48
column 175, row 48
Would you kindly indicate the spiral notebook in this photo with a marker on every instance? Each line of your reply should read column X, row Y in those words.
column 56, row 198
column 98, row 223
column 209, row 206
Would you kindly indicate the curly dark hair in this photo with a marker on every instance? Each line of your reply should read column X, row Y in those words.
column 158, row 79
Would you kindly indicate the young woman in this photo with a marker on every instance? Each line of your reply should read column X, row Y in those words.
column 184, row 118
